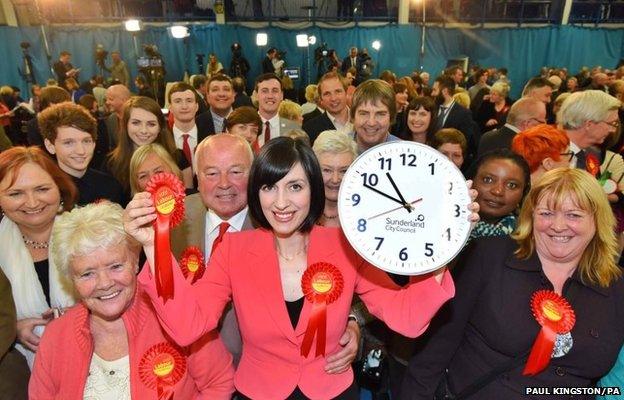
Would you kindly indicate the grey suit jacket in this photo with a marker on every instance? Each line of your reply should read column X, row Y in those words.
column 192, row 232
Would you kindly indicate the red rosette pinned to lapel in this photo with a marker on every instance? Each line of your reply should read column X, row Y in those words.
column 168, row 195
column 161, row 367
column 192, row 263
column 592, row 165
column 556, row 316
column 322, row 284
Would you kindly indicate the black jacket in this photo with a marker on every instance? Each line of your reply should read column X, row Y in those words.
column 489, row 321
column 316, row 125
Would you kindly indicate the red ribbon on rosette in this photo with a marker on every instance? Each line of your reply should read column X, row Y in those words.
column 556, row 316
column 168, row 195
column 161, row 367
column 192, row 263
column 322, row 284
column 592, row 164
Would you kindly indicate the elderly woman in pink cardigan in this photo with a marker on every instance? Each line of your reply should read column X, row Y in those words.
column 111, row 345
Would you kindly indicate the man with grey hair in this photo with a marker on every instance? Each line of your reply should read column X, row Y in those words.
column 523, row 114
column 588, row 118
column 222, row 163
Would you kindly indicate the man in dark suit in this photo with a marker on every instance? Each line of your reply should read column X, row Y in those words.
column 183, row 105
column 220, row 97
column 523, row 114
column 240, row 98
column 267, row 62
column 453, row 115
column 352, row 60
column 64, row 69
column 200, row 84
column 333, row 96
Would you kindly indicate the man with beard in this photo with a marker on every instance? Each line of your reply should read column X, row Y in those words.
column 453, row 115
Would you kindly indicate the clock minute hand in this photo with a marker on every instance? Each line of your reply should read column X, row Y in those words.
column 407, row 206
column 394, row 209
column 383, row 194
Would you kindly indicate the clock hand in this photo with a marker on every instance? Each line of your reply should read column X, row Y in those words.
column 396, row 189
column 383, row 194
column 394, row 209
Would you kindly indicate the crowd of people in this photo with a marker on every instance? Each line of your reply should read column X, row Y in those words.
column 81, row 315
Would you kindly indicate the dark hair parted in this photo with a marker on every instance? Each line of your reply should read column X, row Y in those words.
column 267, row 77
column 506, row 154
column 275, row 160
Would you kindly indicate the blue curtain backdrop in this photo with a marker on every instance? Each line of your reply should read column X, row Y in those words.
column 522, row 50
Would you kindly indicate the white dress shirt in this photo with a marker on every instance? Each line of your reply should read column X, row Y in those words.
column 275, row 129
column 344, row 128
column 212, row 227
column 179, row 140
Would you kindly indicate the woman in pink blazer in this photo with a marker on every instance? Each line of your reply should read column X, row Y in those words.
column 264, row 271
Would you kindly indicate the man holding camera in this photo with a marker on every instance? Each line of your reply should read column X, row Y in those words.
column 119, row 70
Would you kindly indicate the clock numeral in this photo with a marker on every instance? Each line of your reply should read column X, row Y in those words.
column 408, row 159
column 370, row 179
column 429, row 249
column 356, row 199
column 432, row 166
column 450, row 191
column 448, row 234
column 380, row 239
column 385, row 162
column 457, row 213
column 403, row 254
column 361, row 225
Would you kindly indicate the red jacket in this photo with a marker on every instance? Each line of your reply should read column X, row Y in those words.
column 64, row 356
column 245, row 269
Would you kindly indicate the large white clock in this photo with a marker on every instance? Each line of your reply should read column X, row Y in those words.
column 403, row 206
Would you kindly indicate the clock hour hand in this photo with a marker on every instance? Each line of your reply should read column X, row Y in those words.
column 394, row 209
column 407, row 206
column 383, row 194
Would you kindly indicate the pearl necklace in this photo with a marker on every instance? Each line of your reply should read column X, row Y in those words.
column 35, row 245
column 330, row 217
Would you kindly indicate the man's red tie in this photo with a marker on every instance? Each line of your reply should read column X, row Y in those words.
column 267, row 132
column 223, row 227
column 186, row 148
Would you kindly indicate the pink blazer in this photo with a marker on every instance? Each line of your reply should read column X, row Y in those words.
column 64, row 356
column 245, row 269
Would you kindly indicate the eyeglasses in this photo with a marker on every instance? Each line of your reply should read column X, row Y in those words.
column 614, row 124
column 569, row 154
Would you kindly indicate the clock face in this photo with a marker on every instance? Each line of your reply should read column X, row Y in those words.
column 403, row 206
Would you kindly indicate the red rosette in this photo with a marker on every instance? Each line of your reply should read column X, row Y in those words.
column 592, row 165
column 192, row 263
column 161, row 367
column 168, row 195
column 172, row 200
column 322, row 284
column 556, row 316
